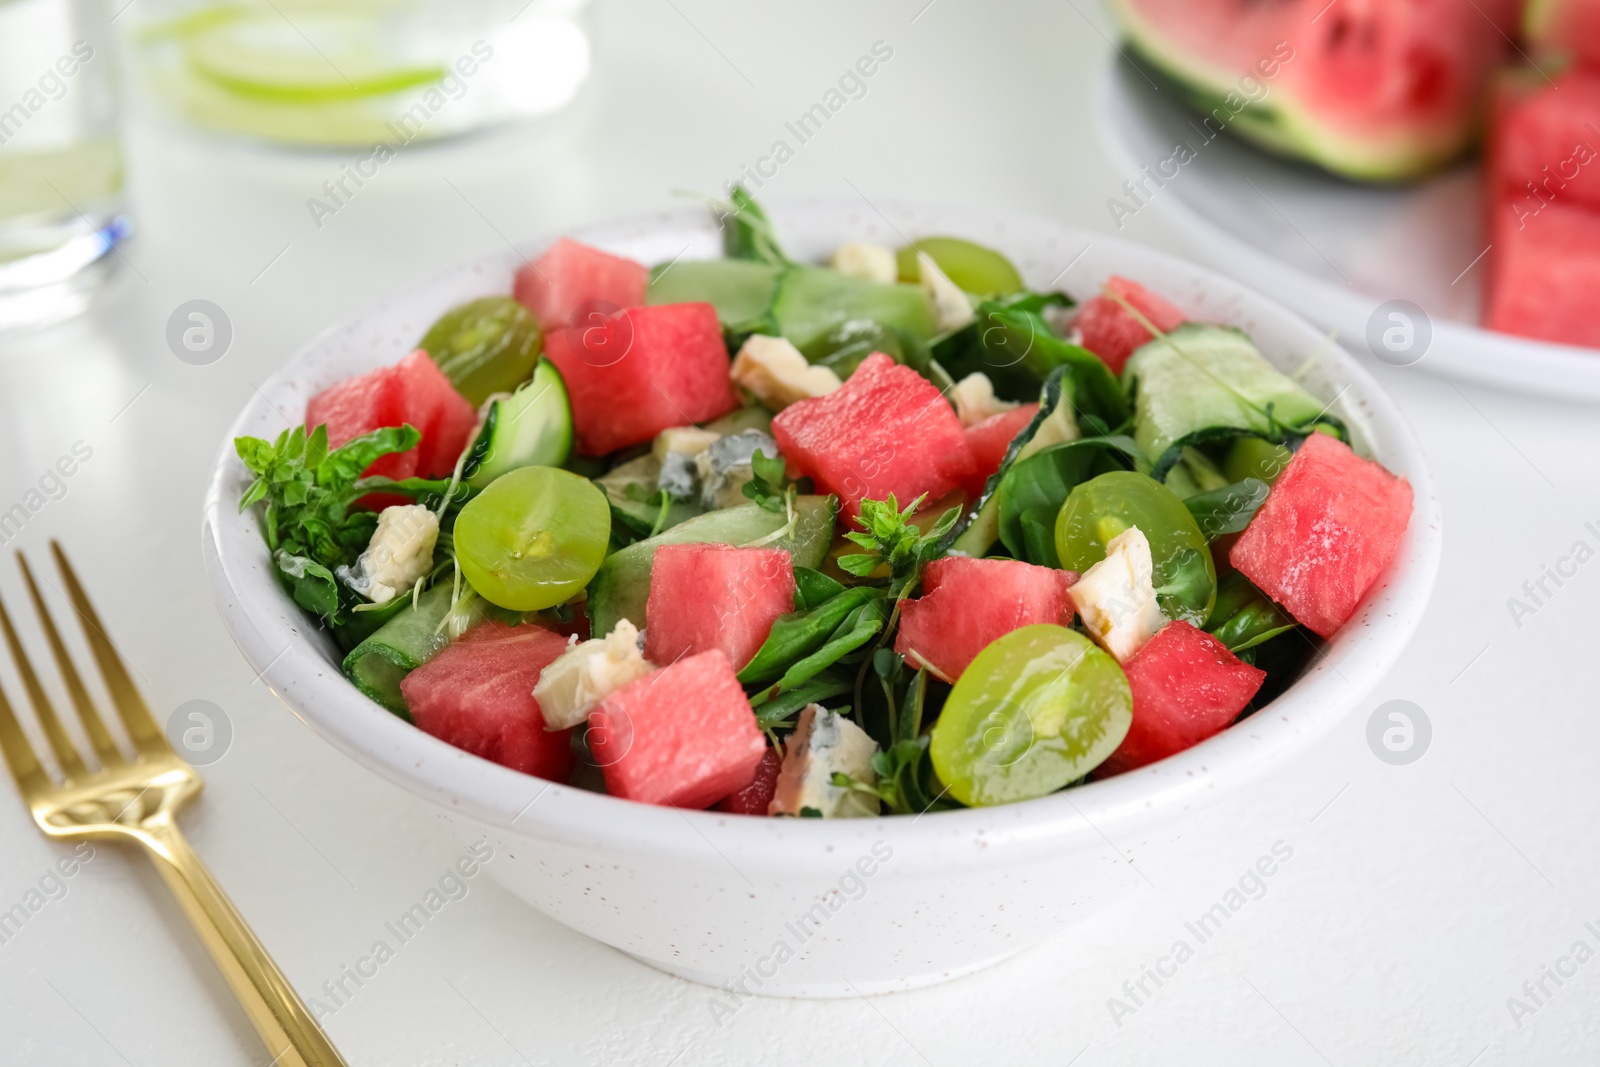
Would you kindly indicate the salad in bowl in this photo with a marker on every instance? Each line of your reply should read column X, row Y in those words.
column 888, row 535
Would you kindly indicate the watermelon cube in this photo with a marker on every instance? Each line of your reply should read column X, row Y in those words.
column 706, row 596
column 1545, row 276
column 754, row 798
column 642, row 371
column 1186, row 686
column 1541, row 147
column 569, row 275
column 683, row 736
column 1111, row 333
column 886, row 430
column 413, row 391
column 1330, row 525
column 989, row 439
column 967, row 603
column 477, row 694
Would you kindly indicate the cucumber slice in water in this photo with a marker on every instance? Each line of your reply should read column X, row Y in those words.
column 530, row 428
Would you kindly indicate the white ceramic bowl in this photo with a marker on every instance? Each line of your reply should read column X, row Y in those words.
column 809, row 907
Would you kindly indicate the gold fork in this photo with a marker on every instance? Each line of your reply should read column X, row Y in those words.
column 137, row 800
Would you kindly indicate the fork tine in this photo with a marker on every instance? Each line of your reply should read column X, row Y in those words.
column 25, row 766
column 66, row 754
column 100, row 738
column 142, row 729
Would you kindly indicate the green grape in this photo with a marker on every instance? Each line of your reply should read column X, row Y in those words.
column 1255, row 457
column 1037, row 709
column 974, row 268
column 1101, row 508
column 485, row 346
column 533, row 538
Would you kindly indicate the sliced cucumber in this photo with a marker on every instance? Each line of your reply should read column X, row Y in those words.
column 1208, row 383
column 741, row 290
column 813, row 301
column 622, row 586
column 639, row 515
column 399, row 646
column 530, row 428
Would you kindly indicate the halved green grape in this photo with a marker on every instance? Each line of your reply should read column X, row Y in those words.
column 533, row 538
column 1103, row 507
column 1037, row 709
column 974, row 268
column 485, row 346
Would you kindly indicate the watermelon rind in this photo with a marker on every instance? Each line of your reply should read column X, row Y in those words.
column 1282, row 124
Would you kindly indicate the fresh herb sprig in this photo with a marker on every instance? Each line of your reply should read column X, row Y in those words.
column 890, row 537
column 308, row 490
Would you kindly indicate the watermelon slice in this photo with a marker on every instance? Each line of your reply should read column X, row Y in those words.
column 684, row 736
column 1329, row 527
column 988, row 440
column 643, row 370
column 1544, row 209
column 967, row 603
column 1375, row 91
column 706, row 596
column 569, row 275
column 1111, row 333
column 886, row 430
column 1566, row 31
column 477, row 694
column 1186, row 686
column 412, row 391
column 754, row 798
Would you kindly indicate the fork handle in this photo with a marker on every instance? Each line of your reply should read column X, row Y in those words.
column 282, row 1019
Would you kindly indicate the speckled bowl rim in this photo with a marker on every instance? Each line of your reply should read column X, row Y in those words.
column 300, row 666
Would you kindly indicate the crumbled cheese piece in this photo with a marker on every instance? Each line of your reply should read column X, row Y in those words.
column 778, row 375
column 975, row 401
column 684, row 440
column 861, row 259
column 952, row 309
column 400, row 552
column 1117, row 599
column 822, row 744
column 587, row 673
column 724, row 468
column 677, row 475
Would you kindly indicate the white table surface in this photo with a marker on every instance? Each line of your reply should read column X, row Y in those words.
column 1418, row 899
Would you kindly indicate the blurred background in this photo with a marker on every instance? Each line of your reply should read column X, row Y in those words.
column 203, row 193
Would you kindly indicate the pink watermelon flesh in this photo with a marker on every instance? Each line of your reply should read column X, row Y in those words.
column 989, row 439
column 754, row 798
column 967, row 603
column 886, row 430
column 645, row 369
column 1186, row 687
column 448, row 418
column 569, row 275
column 683, row 736
column 706, row 596
column 1329, row 527
column 1543, row 172
column 1374, row 90
column 360, row 405
column 1111, row 333
column 477, row 694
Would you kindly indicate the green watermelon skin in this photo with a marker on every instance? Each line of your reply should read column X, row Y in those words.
column 1330, row 525
column 1186, row 687
column 684, row 736
column 1375, row 92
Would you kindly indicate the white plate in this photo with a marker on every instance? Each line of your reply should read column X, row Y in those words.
column 708, row 896
column 1333, row 250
